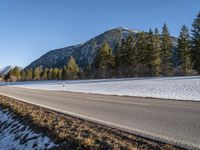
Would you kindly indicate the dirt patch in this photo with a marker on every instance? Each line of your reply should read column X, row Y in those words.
column 73, row 133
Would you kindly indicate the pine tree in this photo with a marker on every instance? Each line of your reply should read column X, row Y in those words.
column 64, row 73
column 72, row 69
column 59, row 74
column 29, row 74
column 105, row 59
column 126, row 55
column 87, row 72
column 143, row 54
column 23, row 75
column 54, row 74
column 110, row 59
column 196, row 43
column 116, row 54
column 14, row 74
column 166, row 52
column 50, row 77
column 37, row 73
column 141, row 49
column 184, row 50
column 44, row 75
column 153, row 46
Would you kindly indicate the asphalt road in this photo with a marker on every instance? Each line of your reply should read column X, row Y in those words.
column 175, row 122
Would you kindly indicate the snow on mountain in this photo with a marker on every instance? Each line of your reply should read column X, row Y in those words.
column 6, row 69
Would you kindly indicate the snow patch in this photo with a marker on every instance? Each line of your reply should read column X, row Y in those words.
column 180, row 88
column 15, row 136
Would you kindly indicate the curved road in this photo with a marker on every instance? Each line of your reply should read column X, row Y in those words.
column 175, row 122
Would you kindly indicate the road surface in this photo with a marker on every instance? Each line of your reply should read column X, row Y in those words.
column 175, row 122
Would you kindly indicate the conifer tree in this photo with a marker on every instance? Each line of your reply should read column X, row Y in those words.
column 54, row 75
column 72, row 69
column 50, row 74
column 142, row 54
column 184, row 51
column 166, row 52
column 15, row 72
column 29, row 74
column 59, row 74
column 110, row 59
column 64, row 73
column 105, row 59
column 141, row 49
column 195, row 41
column 23, row 75
column 87, row 71
column 153, row 53
column 126, row 55
column 37, row 73
column 44, row 75
column 116, row 54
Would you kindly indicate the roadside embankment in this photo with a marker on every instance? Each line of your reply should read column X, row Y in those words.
column 46, row 129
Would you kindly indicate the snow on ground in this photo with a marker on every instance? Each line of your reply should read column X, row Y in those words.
column 15, row 136
column 181, row 88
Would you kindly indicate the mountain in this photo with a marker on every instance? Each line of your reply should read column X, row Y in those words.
column 5, row 70
column 84, row 53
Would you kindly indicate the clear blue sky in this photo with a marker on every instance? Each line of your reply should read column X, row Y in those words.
column 30, row 28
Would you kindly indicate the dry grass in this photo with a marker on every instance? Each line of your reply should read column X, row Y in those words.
column 74, row 133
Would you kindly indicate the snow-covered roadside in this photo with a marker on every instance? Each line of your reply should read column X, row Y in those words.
column 181, row 88
column 16, row 136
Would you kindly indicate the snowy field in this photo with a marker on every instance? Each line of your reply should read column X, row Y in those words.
column 181, row 88
column 16, row 136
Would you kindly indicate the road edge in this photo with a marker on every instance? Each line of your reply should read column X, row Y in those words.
column 155, row 137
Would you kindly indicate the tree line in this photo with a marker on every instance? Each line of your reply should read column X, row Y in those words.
column 145, row 54
column 152, row 54
column 70, row 71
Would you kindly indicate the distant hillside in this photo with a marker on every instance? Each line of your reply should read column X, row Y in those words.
column 5, row 70
column 86, row 52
